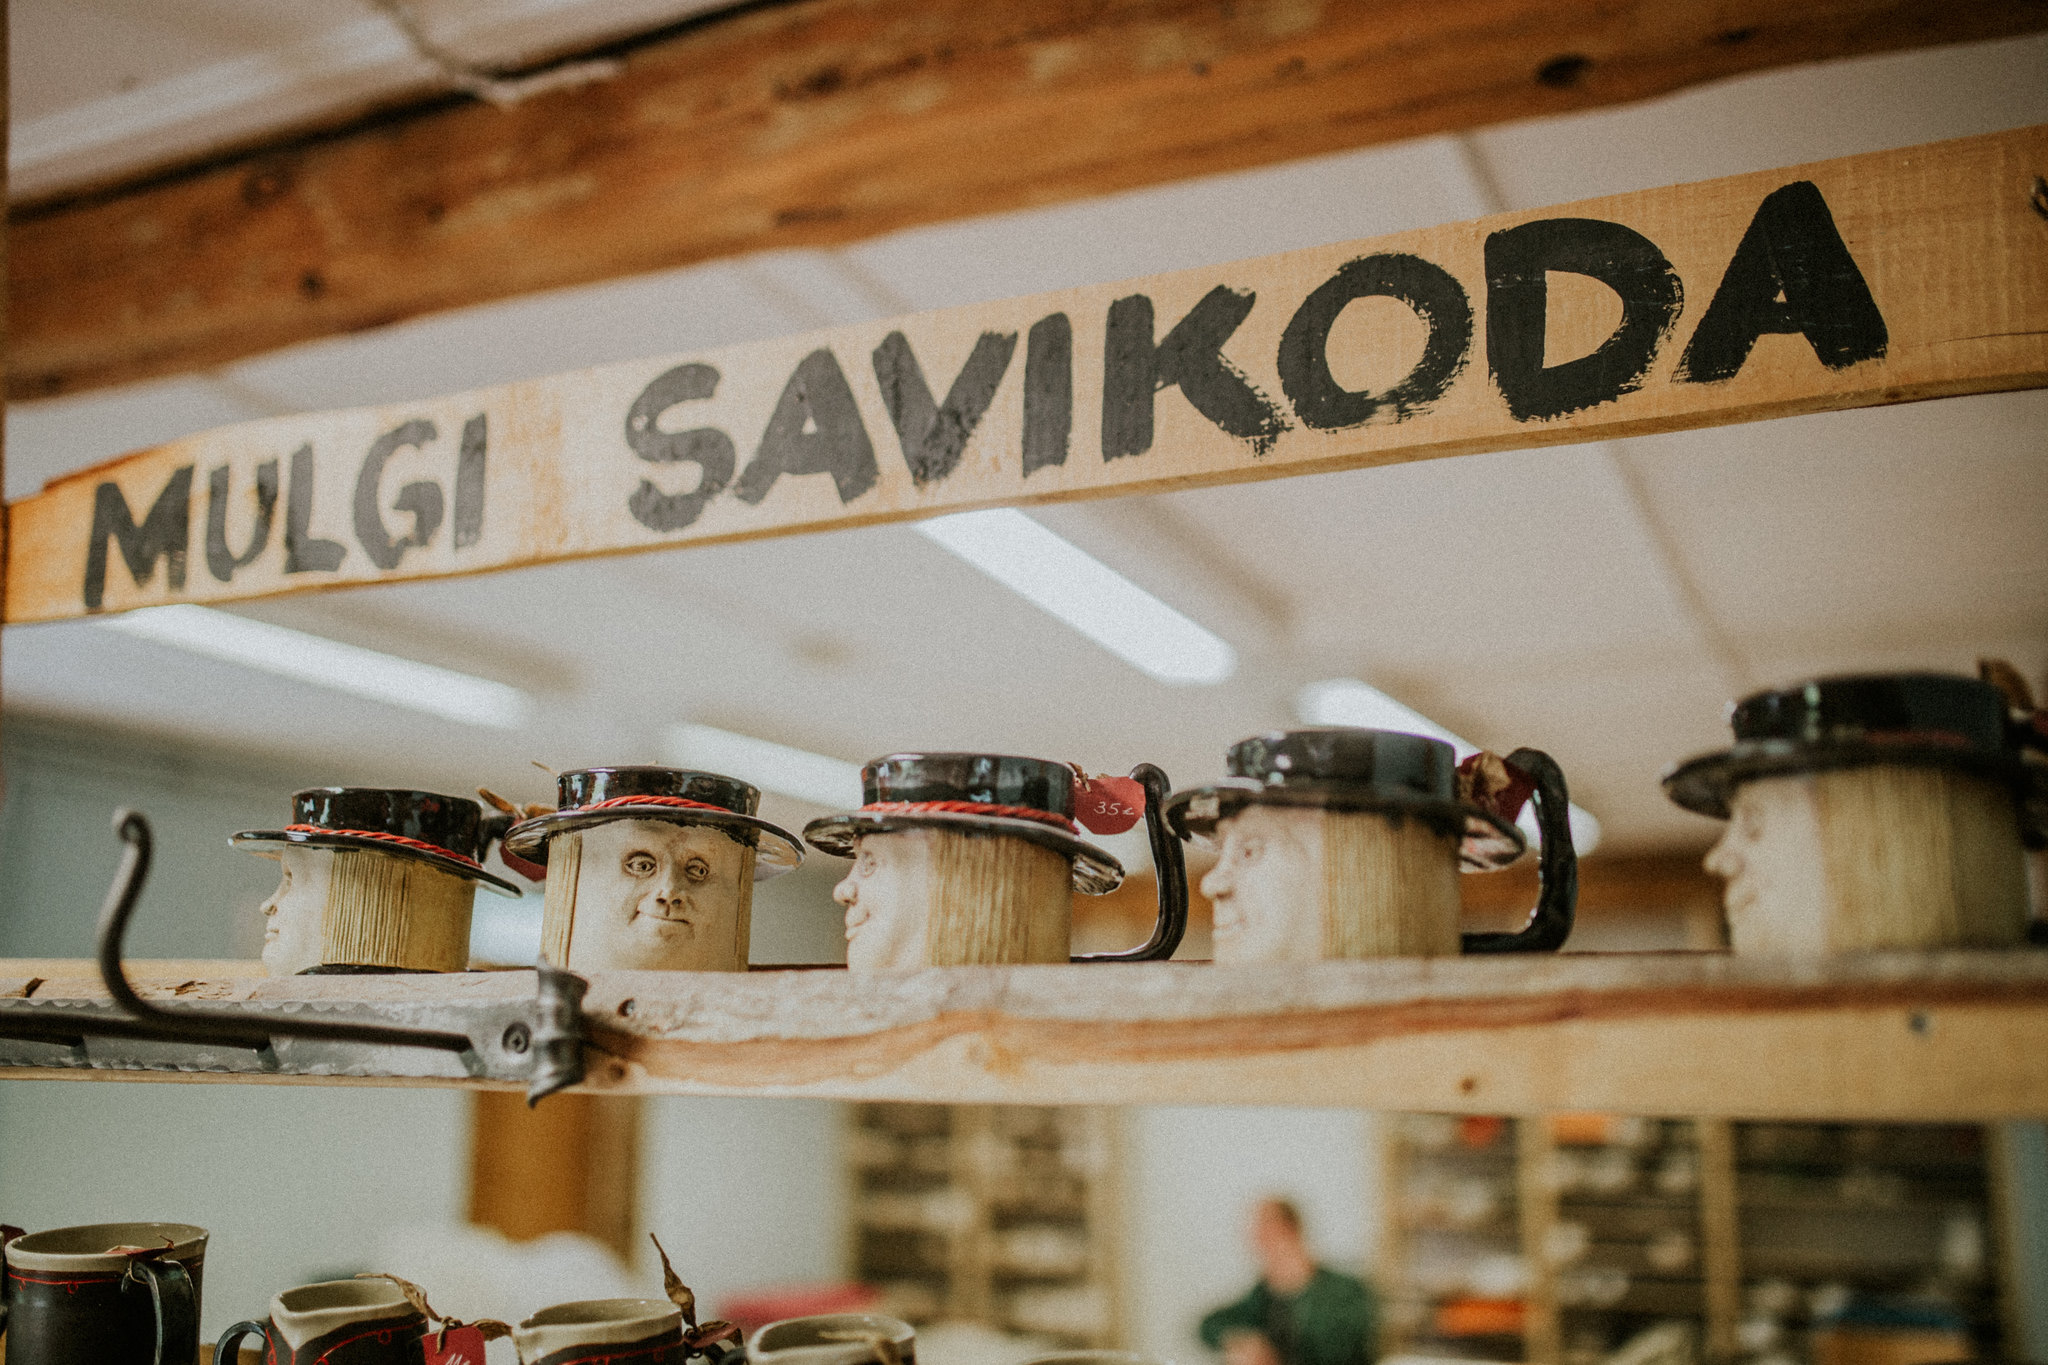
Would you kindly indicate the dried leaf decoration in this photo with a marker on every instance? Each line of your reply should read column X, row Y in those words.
column 1495, row 785
column 695, row 1338
column 884, row 1349
column 142, row 1253
column 490, row 1328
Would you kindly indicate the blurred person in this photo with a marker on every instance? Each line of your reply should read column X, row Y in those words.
column 1299, row 1313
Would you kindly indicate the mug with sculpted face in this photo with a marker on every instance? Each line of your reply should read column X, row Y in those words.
column 659, row 895
column 888, row 901
column 1267, row 885
column 1772, row 859
column 293, row 914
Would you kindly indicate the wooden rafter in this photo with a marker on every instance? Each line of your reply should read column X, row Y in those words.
column 822, row 121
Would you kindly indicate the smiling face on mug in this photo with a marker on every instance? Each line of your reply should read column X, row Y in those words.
column 658, row 895
column 293, row 914
column 1267, row 886
column 887, row 895
column 1772, row 858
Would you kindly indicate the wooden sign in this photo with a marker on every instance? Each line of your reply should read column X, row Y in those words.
column 1867, row 280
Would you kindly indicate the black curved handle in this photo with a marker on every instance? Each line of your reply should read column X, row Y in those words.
column 1169, row 867
column 228, row 1351
column 1557, row 868
column 174, row 1303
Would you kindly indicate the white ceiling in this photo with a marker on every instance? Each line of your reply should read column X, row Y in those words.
column 1602, row 602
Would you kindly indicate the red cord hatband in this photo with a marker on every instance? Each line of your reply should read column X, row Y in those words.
column 381, row 837
column 1043, row 817
column 617, row 801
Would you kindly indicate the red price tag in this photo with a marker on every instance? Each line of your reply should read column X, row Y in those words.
column 1108, row 805
column 458, row 1346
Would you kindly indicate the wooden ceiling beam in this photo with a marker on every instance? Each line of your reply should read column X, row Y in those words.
column 826, row 121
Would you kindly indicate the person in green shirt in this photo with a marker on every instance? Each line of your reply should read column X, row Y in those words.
column 1299, row 1313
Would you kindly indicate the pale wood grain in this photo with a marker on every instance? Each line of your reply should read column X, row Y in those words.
column 1944, row 237
column 1878, row 1036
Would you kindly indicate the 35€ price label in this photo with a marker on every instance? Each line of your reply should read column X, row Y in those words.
column 1108, row 805
column 457, row 1346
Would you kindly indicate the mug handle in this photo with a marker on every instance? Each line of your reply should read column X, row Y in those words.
column 228, row 1351
column 1557, row 867
column 176, row 1307
column 1170, row 868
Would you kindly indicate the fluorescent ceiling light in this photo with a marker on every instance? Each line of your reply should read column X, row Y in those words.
column 828, row 782
column 1066, row 582
column 330, row 664
column 1347, row 701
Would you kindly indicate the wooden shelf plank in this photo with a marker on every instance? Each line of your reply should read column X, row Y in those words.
column 1913, row 274
column 822, row 121
column 1887, row 1036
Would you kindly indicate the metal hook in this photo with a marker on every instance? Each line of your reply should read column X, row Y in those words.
column 560, row 1065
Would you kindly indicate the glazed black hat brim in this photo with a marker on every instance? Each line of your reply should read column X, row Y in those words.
column 270, row 841
column 1096, row 872
column 1704, row 785
column 1485, row 841
column 776, row 849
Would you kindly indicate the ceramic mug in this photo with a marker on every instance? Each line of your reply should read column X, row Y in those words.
column 610, row 1331
column 335, row 1322
column 834, row 1339
column 1096, row 1358
column 1347, row 843
column 73, row 1299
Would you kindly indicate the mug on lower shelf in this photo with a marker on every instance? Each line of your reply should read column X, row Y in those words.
column 334, row 1322
column 104, row 1294
column 603, row 1332
column 1346, row 843
column 834, row 1339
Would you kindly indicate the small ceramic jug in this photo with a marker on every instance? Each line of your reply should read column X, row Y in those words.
column 603, row 1332
column 374, row 880
column 335, row 1322
column 1347, row 843
column 1884, row 811
column 651, row 868
column 969, row 859
column 84, row 1296
column 834, row 1339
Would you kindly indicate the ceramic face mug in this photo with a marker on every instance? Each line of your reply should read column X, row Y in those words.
column 1884, row 811
column 834, row 1339
column 336, row 1322
column 603, row 1332
column 374, row 880
column 651, row 868
column 963, row 859
column 75, row 1296
column 1347, row 843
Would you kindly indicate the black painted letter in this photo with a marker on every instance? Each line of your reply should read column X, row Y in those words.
column 162, row 535
column 422, row 499
column 469, row 483
column 1437, row 298
column 305, row 552
column 1048, row 391
column 222, row 562
column 1792, row 273
column 710, row 449
column 932, row 437
column 1518, row 260
column 1190, row 357
column 815, row 429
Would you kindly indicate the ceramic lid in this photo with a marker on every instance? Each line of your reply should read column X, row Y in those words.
column 590, row 796
column 441, row 831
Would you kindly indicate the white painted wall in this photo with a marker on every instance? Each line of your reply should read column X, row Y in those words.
column 744, row 1193
column 1195, row 1174
column 295, row 1183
